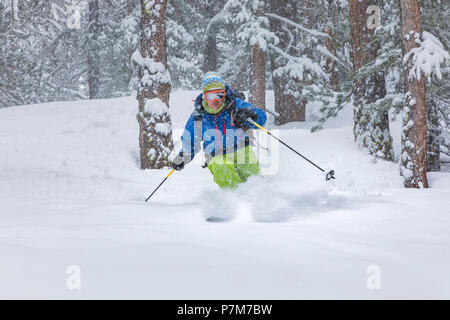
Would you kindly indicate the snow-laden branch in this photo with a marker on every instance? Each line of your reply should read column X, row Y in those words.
column 256, row 35
column 11, row 6
column 15, row 8
column 157, row 73
column 150, row 63
column 427, row 58
column 298, row 26
column 218, row 17
column 291, row 38
column 302, row 63
column 323, row 50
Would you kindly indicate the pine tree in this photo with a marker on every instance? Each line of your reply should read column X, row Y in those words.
column 371, row 122
column 186, row 25
column 155, row 135
column 436, row 20
column 331, row 48
column 117, row 40
column 287, row 86
column 253, row 37
column 236, row 51
column 44, row 59
column 298, row 71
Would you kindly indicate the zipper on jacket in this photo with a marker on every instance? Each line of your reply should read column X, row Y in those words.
column 217, row 132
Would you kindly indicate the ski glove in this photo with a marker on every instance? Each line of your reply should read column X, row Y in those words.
column 178, row 162
column 243, row 114
column 178, row 167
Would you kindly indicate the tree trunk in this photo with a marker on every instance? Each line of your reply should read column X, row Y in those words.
column 155, row 137
column 258, row 84
column 371, row 125
column 257, row 95
column 93, row 58
column 210, row 9
column 210, row 52
column 287, row 90
column 331, row 64
column 414, row 135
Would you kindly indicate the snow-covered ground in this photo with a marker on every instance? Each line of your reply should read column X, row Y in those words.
column 71, row 193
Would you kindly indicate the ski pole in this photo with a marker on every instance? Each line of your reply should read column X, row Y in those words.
column 160, row 184
column 330, row 174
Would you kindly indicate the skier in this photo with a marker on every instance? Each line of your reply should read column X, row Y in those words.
column 220, row 121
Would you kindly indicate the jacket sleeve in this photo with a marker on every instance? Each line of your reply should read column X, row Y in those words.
column 191, row 140
column 262, row 117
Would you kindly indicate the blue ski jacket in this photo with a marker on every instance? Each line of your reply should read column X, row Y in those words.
column 220, row 132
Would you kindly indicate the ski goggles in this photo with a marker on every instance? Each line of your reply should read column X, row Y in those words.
column 215, row 95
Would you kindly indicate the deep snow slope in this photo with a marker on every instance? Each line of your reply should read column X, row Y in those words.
column 71, row 193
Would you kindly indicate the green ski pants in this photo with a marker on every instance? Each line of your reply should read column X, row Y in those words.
column 229, row 170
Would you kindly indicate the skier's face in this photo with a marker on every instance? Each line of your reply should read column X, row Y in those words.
column 215, row 104
column 214, row 98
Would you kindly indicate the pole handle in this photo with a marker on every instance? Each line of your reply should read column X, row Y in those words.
column 330, row 175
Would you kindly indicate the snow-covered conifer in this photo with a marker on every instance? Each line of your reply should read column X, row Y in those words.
column 371, row 121
column 155, row 135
